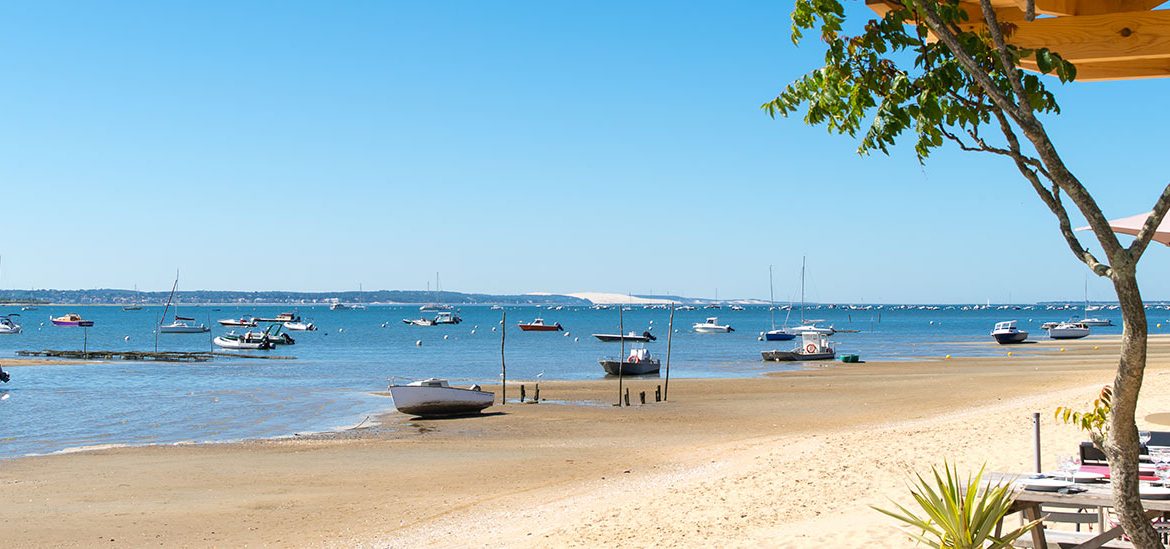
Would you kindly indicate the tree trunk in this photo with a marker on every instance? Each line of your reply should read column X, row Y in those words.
column 1122, row 446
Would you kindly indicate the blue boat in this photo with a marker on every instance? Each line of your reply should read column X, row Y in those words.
column 778, row 335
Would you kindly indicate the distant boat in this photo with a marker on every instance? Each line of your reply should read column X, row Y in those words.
column 644, row 337
column 638, row 363
column 712, row 326
column 132, row 307
column 432, row 307
column 736, row 307
column 781, row 334
column 244, row 341
column 538, row 325
column 29, row 308
column 9, row 326
column 180, row 324
column 301, row 326
column 338, row 307
column 247, row 322
column 813, row 346
column 281, row 318
column 1068, row 330
column 496, row 308
column 1096, row 321
column 418, row 321
column 71, row 320
column 1007, row 333
column 436, row 398
column 447, row 318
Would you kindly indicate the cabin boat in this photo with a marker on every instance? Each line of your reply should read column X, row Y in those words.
column 447, row 318
column 9, row 326
column 813, row 346
column 1096, row 321
column 436, row 398
column 246, row 322
column 71, row 320
column 1006, row 333
column 301, row 326
column 643, row 338
column 246, row 341
column 538, row 325
column 712, row 326
column 638, row 363
column 1068, row 330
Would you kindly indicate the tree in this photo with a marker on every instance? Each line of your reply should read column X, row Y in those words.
column 942, row 72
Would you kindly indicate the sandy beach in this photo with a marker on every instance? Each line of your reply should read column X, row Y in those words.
column 786, row 460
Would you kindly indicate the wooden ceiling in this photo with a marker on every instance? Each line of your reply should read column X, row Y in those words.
column 1105, row 39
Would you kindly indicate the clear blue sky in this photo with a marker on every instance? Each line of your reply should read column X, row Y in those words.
column 511, row 146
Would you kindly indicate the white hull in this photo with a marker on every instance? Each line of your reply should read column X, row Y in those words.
column 707, row 329
column 183, row 328
column 300, row 326
column 6, row 330
column 439, row 401
column 1067, row 333
column 237, row 344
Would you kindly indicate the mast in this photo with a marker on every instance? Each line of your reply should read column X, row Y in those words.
column 169, row 299
column 802, row 260
column 771, row 298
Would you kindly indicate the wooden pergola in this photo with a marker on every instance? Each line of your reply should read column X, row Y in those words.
column 1105, row 39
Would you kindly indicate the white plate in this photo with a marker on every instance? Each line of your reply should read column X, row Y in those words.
column 1079, row 476
column 1153, row 492
column 1043, row 484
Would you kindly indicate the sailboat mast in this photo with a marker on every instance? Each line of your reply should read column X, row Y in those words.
column 802, row 260
column 771, row 298
column 170, row 299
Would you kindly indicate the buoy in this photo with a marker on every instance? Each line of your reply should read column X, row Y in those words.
column 760, row 338
column 1159, row 324
column 576, row 339
column 1095, row 347
column 932, row 322
column 418, row 343
column 127, row 338
column 566, row 334
column 339, row 330
column 476, row 327
column 473, row 332
column 1062, row 349
column 948, row 357
column 1009, row 353
column 446, row 337
column 383, row 324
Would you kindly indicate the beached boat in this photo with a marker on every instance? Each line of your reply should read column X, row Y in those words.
column 638, row 363
column 712, row 326
column 1049, row 325
column 281, row 318
column 241, row 341
column 538, row 325
column 246, row 322
column 70, row 320
column 1068, row 330
column 631, row 336
column 9, row 326
column 436, row 398
column 813, row 346
column 1007, row 332
column 301, row 326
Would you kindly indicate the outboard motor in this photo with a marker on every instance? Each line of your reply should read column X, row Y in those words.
column 649, row 336
column 4, row 376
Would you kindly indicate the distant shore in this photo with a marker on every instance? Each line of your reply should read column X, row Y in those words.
column 791, row 456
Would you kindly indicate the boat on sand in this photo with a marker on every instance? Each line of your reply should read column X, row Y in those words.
column 436, row 398
column 813, row 346
column 638, row 363
column 1006, row 333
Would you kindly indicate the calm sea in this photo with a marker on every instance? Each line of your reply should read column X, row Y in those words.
column 52, row 408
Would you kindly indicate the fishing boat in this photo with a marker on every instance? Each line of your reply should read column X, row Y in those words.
column 712, row 326
column 281, row 318
column 436, row 398
column 447, row 318
column 813, row 346
column 631, row 336
column 246, row 322
column 9, row 326
column 1068, row 330
column 638, row 363
column 71, row 320
column 538, row 325
column 781, row 334
column 180, row 324
column 245, row 341
column 1007, row 333
column 301, row 326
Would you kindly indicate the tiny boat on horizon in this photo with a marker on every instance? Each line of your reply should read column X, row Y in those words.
column 712, row 326
column 132, row 307
column 70, row 320
column 436, row 398
column 1006, row 333
column 433, row 307
column 538, row 325
column 638, row 363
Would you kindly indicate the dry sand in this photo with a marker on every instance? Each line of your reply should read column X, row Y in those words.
column 787, row 460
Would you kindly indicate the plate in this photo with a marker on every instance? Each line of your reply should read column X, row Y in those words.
column 1043, row 484
column 1153, row 492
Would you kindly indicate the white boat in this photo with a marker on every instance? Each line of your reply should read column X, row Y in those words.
column 1007, row 332
column 779, row 334
column 638, row 363
column 436, row 398
column 431, row 307
column 246, row 322
column 301, row 326
column 712, row 326
column 418, row 322
column 447, row 318
column 180, row 325
column 9, row 326
column 813, row 346
column 1068, row 330
column 1094, row 321
column 236, row 341
column 272, row 335
column 338, row 307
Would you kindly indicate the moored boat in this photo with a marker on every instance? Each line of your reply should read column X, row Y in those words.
column 418, row 321
column 1007, row 333
column 183, row 325
column 712, row 326
column 447, row 317
column 246, row 322
column 814, row 346
column 242, row 341
column 638, row 363
column 436, row 398
column 1094, row 321
column 631, row 336
column 538, row 325
column 1068, row 330
column 70, row 320
column 301, row 326
column 9, row 326
column 281, row 318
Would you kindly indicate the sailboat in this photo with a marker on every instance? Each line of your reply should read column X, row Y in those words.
column 807, row 326
column 137, row 305
column 1094, row 321
column 782, row 334
column 180, row 324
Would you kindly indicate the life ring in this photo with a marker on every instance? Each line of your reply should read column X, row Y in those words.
column 633, row 359
column 810, row 348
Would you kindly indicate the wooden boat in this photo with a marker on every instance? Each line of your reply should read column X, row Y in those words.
column 644, row 337
column 71, row 320
column 1006, row 333
column 538, row 325
column 245, row 322
column 237, row 341
column 301, row 326
column 712, row 326
column 638, row 363
column 1068, row 330
column 9, row 326
column 813, row 346
column 436, row 398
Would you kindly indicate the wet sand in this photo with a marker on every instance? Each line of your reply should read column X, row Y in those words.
column 789, row 459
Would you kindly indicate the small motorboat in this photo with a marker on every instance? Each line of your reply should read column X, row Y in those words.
column 1006, row 333
column 1094, row 321
column 436, row 398
column 432, row 307
column 1068, row 330
column 779, row 334
column 71, row 320
column 281, row 318
column 813, row 346
column 132, row 307
column 736, row 307
column 638, row 363
column 183, row 325
column 272, row 335
column 245, row 341
column 29, row 308
column 640, row 338
column 244, row 322
column 418, row 321
column 4, row 376
column 538, row 325
column 9, row 326
column 447, row 318
column 301, row 326
column 339, row 307
column 712, row 326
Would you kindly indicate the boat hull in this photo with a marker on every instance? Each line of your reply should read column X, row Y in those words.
column 1009, row 338
column 541, row 327
column 791, row 356
column 713, row 329
column 300, row 326
column 439, row 401
column 6, row 330
column 640, row 368
column 1057, row 333
column 237, row 344
column 183, row 329
column 778, row 335
column 237, row 323
column 609, row 338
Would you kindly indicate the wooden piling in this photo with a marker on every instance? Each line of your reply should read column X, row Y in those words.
column 642, row 397
column 627, row 396
column 536, row 394
column 669, row 337
column 621, row 355
column 522, row 393
column 658, row 393
column 503, row 365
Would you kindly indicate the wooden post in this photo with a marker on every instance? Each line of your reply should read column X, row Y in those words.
column 627, row 396
column 536, row 397
column 503, row 365
column 621, row 354
column 85, row 341
column 642, row 397
column 522, row 393
column 658, row 393
column 669, row 336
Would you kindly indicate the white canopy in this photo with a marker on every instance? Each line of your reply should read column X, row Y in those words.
column 1133, row 224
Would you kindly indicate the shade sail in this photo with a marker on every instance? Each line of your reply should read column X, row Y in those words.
column 1133, row 224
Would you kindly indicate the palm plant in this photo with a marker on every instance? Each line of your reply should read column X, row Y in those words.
column 959, row 516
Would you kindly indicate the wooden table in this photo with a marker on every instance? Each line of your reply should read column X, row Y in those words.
column 1098, row 495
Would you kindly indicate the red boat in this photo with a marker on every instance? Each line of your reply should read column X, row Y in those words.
column 538, row 325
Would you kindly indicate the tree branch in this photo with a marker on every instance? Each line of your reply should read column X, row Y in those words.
column 1009, row 68
column 1142, row 240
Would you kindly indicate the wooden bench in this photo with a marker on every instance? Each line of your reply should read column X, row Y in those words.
column 1065, row 539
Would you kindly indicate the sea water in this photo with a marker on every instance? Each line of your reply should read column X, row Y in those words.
column 354, row 353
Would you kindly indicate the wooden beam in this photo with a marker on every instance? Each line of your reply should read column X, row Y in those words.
column 1099, row 38
column 1116, row 70
column 1088, row 7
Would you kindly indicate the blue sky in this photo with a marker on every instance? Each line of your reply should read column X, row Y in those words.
column 512, row 147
